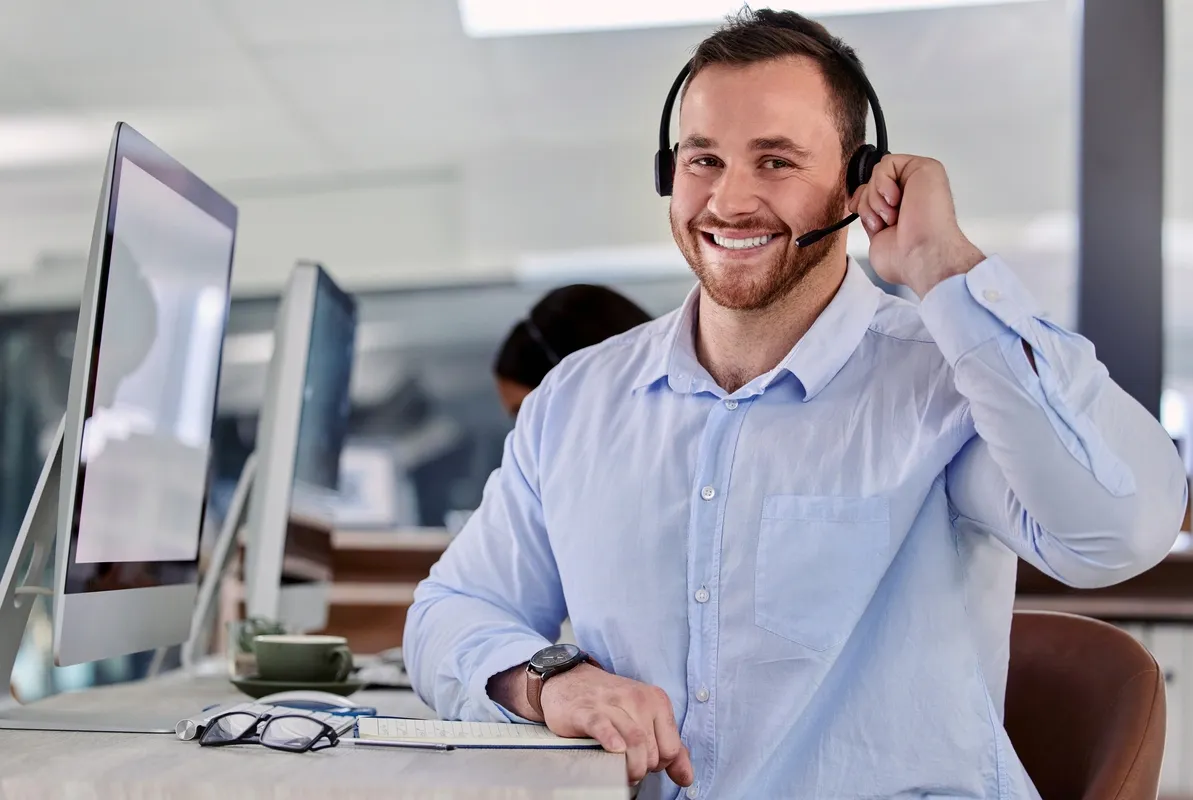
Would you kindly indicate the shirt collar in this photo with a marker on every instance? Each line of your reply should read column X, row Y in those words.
column 814, row 361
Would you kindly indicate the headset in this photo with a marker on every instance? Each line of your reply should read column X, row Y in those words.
column 861, row 164
column 536, row 334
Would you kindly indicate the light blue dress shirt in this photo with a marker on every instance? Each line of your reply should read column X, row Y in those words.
column 819, row 568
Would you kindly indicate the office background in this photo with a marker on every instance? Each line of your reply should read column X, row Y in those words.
column 450, row 180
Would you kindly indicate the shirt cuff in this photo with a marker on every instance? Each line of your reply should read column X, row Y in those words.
column 508, row 655
column 966, row 311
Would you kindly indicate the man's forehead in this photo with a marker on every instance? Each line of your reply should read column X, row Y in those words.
column 737, row 104
column 778, row 87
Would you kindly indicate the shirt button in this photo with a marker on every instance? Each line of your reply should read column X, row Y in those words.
column 992, row 295
column 692, row 792
column 708, row 493
column 702, row 694
column 702, row 595
column 730, row 404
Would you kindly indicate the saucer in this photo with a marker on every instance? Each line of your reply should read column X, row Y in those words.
column 258, row 687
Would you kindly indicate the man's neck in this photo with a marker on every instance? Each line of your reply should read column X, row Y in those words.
column 738, row 346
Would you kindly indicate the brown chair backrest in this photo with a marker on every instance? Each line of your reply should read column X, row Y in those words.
column 1084, row 708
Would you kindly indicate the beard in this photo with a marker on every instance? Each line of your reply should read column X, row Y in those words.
column 735, row 288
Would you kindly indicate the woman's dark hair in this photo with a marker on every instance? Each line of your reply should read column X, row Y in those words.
column 564, row 321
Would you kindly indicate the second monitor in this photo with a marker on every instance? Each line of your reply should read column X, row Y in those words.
column 290, row 483
column 300, row 436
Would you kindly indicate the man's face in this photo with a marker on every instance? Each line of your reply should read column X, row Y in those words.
column 759, row 165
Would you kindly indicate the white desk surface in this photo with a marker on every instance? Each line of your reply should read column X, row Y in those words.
column 97, row 766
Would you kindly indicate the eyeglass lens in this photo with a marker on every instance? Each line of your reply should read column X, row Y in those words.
column 293, row 733
column 229, row 727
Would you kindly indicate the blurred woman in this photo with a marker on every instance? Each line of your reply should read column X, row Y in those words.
column 565, row 320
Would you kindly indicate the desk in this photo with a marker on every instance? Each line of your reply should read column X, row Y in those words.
column 97, row 766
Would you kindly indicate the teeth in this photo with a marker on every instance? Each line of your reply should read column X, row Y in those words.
column 742, row 244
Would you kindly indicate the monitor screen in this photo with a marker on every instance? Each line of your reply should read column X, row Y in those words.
column 326, row 404
column 159, row 328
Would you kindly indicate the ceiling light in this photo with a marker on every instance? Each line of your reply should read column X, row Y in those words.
column 484, row 18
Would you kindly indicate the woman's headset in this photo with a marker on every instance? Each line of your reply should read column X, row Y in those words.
column 536, row 334
column 861, row 164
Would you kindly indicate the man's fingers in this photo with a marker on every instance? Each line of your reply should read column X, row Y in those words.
column 865, row 209
column 887, row 187
column 680, row 770
column 673, row 756
column 881, row 208
column 598, row 726
column 641, row 754
column 666, row 732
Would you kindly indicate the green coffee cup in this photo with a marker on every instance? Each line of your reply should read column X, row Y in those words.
column 302, row 658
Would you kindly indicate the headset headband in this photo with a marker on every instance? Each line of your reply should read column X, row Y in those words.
column 537, row 335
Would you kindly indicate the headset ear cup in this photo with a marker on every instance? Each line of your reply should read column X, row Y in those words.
column 861, row 166
column 664, row 172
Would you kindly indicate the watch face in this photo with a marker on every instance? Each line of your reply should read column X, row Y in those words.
column 554, row 656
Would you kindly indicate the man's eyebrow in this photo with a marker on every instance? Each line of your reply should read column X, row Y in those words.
column 697, row 142
column 780, row 144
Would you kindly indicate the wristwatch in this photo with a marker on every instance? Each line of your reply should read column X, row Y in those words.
column 549, row 662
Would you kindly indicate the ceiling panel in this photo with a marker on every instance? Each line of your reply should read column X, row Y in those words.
column 268, row 24
column 147, row 32
column 383, row 104
column 225, row 145
column 233, row 80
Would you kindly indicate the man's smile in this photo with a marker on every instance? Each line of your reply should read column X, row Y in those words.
column 740, row 241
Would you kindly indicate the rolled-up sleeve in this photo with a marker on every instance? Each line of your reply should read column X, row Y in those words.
column 494, row 599
column 1067, row 469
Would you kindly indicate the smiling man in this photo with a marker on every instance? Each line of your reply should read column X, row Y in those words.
column 784, row 520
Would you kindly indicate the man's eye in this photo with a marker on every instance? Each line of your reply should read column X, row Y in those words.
column 776, row 163
column 705, row 161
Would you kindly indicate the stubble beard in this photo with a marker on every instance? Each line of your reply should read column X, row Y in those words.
column 778, row 279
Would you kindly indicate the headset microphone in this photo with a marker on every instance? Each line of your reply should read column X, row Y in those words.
column 857, row 172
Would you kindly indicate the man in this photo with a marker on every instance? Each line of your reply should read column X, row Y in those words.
column 784, row 519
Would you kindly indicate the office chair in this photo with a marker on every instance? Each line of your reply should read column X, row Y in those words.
column 1085, row 708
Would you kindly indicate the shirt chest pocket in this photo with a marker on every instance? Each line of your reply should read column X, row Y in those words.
column 819, row 562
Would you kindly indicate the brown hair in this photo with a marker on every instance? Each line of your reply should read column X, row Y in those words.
column 754, row 36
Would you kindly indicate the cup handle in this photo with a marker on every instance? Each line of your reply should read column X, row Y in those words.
column 342, row 658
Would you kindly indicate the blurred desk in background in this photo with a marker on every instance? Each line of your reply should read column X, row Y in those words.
column 1162, row 594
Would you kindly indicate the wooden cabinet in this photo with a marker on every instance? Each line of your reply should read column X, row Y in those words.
column 372, row 578
column 374, row 574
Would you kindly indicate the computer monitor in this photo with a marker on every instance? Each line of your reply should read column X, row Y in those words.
column 122, row 495
column 300, row 435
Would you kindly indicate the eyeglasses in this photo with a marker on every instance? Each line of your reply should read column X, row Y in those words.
column 294, row 733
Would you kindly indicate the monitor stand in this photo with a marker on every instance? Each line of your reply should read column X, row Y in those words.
column 18, row 592
column 221, row 555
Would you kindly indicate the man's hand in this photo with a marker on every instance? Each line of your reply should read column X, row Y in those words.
column 907, row 210
column 625, row 716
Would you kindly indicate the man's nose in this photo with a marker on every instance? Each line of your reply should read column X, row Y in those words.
column 734, row 194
